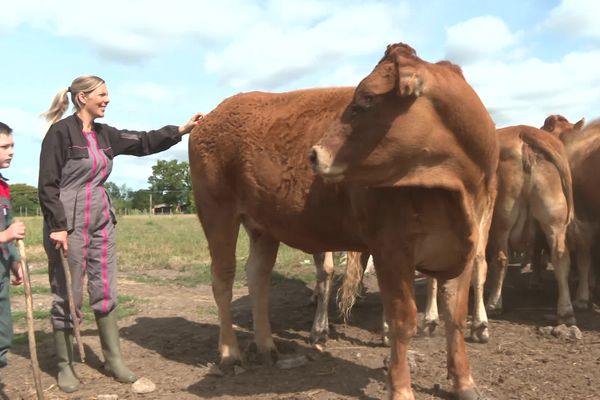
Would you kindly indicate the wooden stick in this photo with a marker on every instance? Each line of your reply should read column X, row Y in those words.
column 72, row 308
column 35, row 366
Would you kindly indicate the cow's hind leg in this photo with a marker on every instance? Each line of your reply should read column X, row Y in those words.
column 499, row 265
column 455, row 296
column 324, row 269
column 432, row 318
column 263, row 253
column 221, row 228
column 561, row 262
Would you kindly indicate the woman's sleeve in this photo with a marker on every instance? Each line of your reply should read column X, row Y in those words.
column 139, row 143
column 51, row 164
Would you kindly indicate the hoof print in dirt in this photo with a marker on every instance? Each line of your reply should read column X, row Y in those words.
column 290, row 362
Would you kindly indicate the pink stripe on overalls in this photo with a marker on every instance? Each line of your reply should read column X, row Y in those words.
column 104, row 231
column 88, row 205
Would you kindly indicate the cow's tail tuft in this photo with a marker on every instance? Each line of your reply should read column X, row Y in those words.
column 351, row 285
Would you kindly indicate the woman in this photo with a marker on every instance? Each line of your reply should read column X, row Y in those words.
column 75, row 161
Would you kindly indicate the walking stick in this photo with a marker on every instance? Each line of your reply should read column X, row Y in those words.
column 72, row 308
column 35, row 366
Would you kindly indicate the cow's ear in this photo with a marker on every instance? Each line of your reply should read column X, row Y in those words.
column 579, row 125
column 549, row 124
column 383, row 78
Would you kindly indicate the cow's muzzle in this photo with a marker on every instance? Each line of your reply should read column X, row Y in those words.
column 322, row 164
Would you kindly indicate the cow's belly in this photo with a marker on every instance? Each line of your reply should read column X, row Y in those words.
column 312, row 218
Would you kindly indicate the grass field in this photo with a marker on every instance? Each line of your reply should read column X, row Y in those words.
column 161, row 250
column 165, row 250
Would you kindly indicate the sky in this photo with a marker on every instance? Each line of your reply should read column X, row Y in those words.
column 165, row 60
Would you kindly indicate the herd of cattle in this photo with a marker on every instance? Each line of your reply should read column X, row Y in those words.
column 408, row 167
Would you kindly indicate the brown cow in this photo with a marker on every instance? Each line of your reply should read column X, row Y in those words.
column 437, row 145
column 534, row 188
column 417, row 153
column 583, row 151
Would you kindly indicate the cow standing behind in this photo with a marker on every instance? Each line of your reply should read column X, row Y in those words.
column 417, row 160
column 534, row 190
column 583, row 151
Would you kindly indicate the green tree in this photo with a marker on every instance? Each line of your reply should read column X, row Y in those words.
column 118, row 195
column 139, row 199
column 170, row 183
column 24, row 199
column 113, row 190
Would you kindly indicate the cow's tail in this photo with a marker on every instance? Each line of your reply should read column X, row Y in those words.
column 351, row 285
column 553, row 149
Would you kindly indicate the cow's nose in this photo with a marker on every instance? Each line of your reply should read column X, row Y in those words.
column 313, row 157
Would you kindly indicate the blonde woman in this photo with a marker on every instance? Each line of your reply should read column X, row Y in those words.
column 75, row 161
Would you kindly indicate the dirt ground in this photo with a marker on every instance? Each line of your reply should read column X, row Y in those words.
column 173, row 341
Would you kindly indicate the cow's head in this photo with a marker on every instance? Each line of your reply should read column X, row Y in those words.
column 561, row 127
column 367, row 139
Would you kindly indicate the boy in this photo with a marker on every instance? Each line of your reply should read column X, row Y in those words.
column 9, row 257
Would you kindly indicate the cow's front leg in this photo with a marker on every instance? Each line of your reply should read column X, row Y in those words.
column 395, row 276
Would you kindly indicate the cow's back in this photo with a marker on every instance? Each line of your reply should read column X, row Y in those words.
column 252, row 150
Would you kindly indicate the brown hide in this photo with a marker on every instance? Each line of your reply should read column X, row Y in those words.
column 583, row 151
column 250, row 154
column 428, row 143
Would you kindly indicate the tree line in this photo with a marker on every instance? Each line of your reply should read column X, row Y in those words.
column 169, row 185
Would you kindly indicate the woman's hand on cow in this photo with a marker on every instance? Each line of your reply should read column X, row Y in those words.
column 60, row 240
column 188, row 126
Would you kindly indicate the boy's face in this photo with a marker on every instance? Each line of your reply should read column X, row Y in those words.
column 6, row 150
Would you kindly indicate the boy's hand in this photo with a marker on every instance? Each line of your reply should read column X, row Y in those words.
column 60, row 240
column 17, row 270
column 15, row 231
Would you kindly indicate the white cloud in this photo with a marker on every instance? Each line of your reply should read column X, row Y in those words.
column 477, row 38
column 526, row 92
column 273, row 54
column 23, row 123
column 576, row 18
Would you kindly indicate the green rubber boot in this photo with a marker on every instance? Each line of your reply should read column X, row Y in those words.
column 109, row 339
column 63, row 342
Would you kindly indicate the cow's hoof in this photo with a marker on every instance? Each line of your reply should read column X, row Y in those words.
column 494, row 309
column 430, row 327
column 480, row 333
column 319, row 337
column 227, row 364
column 471, row 394
column 581, row 304
column 266, row 357
column 567, row 319
column 385, row 340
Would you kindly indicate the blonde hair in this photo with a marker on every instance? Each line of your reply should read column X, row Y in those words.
column 85, row 84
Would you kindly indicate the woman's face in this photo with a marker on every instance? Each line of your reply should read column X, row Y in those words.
column 95, row 102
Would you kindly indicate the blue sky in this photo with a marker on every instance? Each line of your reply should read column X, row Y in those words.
column 163, row 61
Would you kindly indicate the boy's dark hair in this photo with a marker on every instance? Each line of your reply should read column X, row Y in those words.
column 5, row 129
